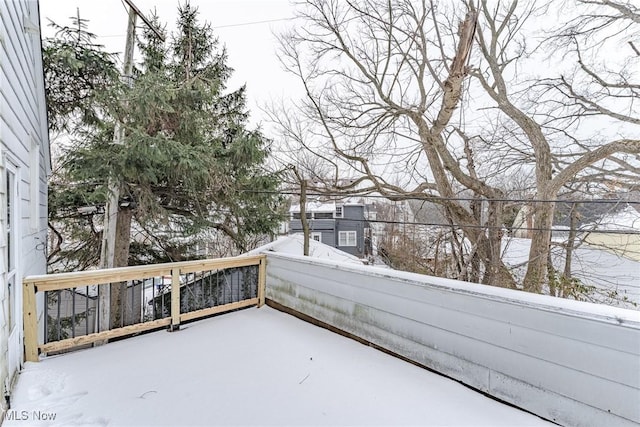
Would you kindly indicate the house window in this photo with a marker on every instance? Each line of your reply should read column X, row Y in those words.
column 323, row 215
column 316, row 236
column 347, row 238
column 296, row 215
column 338, row 211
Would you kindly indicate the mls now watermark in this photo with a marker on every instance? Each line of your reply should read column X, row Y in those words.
column 14, row 415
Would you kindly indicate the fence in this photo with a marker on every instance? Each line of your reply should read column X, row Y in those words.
column 86, row 307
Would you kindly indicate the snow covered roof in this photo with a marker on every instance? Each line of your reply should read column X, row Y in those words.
column 605, row 270
column 314, row 207
column 325, row 206
column 251, row 367
column 625, row 219
column 294, row 244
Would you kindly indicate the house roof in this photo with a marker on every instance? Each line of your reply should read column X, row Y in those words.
column 251, row 367
column 314, row 207
column 294, row 244
column 590, row 213
column 625, row 219
column 317, row 206
column 608, row 272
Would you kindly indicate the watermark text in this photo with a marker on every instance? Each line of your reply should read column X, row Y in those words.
column 35, row 415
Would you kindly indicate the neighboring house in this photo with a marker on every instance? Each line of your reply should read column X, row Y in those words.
column 342, row 225
column 605, row 277
column 523, row 223
column 617, row 232
column 24, row 166
column 583, row 214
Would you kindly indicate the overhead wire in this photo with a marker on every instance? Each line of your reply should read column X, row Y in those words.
column 239, row 24
column 430, row 198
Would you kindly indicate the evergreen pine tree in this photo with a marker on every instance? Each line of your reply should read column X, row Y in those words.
column 189, row 167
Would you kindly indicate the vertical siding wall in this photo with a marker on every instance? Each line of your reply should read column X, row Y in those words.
column 570, row 362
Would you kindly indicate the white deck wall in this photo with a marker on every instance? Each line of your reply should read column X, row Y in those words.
column 571, row 362
column 24, row 149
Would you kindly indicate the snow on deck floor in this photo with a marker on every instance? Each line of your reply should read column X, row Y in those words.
column 252, row 367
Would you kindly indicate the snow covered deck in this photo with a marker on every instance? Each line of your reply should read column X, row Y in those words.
column 252, row 367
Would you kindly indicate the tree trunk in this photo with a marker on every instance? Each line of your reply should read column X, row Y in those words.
column 303, row 217
column 565, row 279
column 121, row 259
column 475, row 262
column 540, row 242
column 493, row 263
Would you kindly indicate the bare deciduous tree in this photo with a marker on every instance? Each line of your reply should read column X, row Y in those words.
column 497, row 34
column 382, row 81
column 385, row 82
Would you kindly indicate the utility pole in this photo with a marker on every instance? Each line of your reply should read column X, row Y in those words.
column 112, row 207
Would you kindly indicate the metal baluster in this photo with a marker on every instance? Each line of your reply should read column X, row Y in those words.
column 153, row 298
column 217, row 287
column 73, row 312
column 88, row 308
column 224, row 288
column 237, row 283
column 212, row 296
column 97, row 309
column 59, row 325
column 46, row 317
column 202, row 296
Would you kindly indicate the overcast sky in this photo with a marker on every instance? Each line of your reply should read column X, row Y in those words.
column 239, row 24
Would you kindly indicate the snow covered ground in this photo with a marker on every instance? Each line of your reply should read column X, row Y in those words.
column 616, row 278
column 252, row 367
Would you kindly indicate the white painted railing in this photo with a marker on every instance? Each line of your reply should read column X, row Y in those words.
column 571, row 362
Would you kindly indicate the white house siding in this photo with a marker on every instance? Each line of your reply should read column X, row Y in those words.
column 24, row 150
column 571, row 362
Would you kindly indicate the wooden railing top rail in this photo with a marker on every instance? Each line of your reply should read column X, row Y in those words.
column 52, row 282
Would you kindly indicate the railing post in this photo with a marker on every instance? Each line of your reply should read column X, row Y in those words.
column 175, row 300
column 30, row 322
column 262, row 280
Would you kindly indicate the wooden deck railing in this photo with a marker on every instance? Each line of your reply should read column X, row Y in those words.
column 181, row 276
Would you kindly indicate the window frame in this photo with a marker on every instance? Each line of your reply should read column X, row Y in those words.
column 347, row 235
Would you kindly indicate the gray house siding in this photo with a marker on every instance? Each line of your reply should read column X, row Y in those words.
column 328, row 237
column 352, row 219
column 326, row 228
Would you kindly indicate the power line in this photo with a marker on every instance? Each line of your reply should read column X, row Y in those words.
column 429, row 198
column 400, row 197
column 240, row 24
column 485, row 227
column 458, row 226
